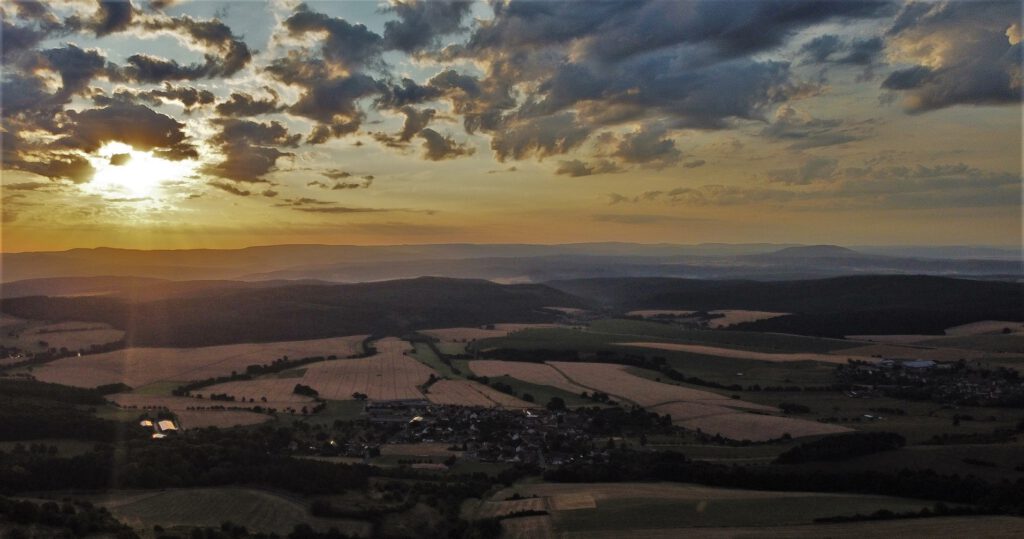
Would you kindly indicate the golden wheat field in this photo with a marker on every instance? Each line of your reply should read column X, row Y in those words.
column 390, row 374
column 617, row 381
column 741, row 354
column 470, row 393
column 199, row 416
column 756, row 427
column 141, row 366
column 733, row 316
column 34, row 336
column 534, row 373
column 475, row 334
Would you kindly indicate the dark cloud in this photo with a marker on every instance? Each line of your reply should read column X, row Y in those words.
column 421, row 22
column 224, row 54
column 813, row 170
column 965, row 54
column 438, row 147
column 55, row 166
column 349, row 46
column 830, row 48
column 77, row 67
column 233, row 189
column 336, row 174
column 242, row 104
column 804, row 131
column 695, row 163
column 541, row 137
column 250, row 148
column 111, row 16
column 119, row 159
column 577, row 168
column 135, row 125
column 649, row 146
column 329, row 101
column 188, row 97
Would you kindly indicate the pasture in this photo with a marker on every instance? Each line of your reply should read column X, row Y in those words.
column 675, row 509
column 742, row 354
column 469, row 393
column 390, row 374
column 732, row 316
column 534, row 373
column 140, row 366
column 36, row 336
column 258, row 510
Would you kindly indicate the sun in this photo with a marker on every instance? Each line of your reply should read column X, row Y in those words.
column 123, row 172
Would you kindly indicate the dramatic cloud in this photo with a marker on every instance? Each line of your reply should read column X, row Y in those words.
column 421, row 22
column 437, row 147
column 136, row 125
column 962, row 53
column 804, row 131
column 250, row 148
column 577, row 168
column 649, row 146
column 241, row 104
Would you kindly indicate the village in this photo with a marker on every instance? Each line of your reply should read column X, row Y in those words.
column 943, row 382
column 539, row 437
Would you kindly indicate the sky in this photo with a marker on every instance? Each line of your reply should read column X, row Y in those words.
column 177, row 124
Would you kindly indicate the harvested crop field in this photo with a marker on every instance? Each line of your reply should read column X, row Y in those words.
column 470, row 393
column 837, row 357
column 36, row 336
column 196, row 413
column 534, row 373
column 895, row 351
column 494, row 509
column 738, row 317
column 475, row 334
column 891, row 339
column 680, row 510
column 209, row 507
column 651, row 313
column 390, row 374
column 983, row 327
column 141, row 366
column 993, row 527
column 756, row 427
column 617, row 381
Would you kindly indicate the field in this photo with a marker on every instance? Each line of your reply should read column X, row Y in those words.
column 994, row 345
column 534, row 373
column 469, row 393
column 742, row 354
column 895, row 351
column 35, row 336
column 738, row 317
column 983, row 327
column 675, row 509
column 651, row 313
column 390, row 374
column 475, row 334
column 754, row 427
column 140, row 366
column 256, row 509
column 617, row 381
column 235, row 414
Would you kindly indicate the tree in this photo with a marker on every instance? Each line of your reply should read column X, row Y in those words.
column 556, row 404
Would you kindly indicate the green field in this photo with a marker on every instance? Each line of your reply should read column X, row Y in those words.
column 1012, row 344
column 157, row 388
column 258, row 510
column 621, row 507
column 427, row 356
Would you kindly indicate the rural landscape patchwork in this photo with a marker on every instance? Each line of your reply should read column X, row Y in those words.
column 511, row 269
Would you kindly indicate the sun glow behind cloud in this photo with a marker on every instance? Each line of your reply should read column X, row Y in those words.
column 125, row 173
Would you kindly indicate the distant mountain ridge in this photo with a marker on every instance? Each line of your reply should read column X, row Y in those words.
column 498, row 262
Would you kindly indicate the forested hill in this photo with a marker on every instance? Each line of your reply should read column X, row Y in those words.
column 883, row 304
column 294, row 312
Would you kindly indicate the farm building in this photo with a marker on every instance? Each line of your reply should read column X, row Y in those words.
column 166, row 425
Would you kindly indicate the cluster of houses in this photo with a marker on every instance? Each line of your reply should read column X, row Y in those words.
column 539, row 437
column 161, row 427
column 944, row 382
